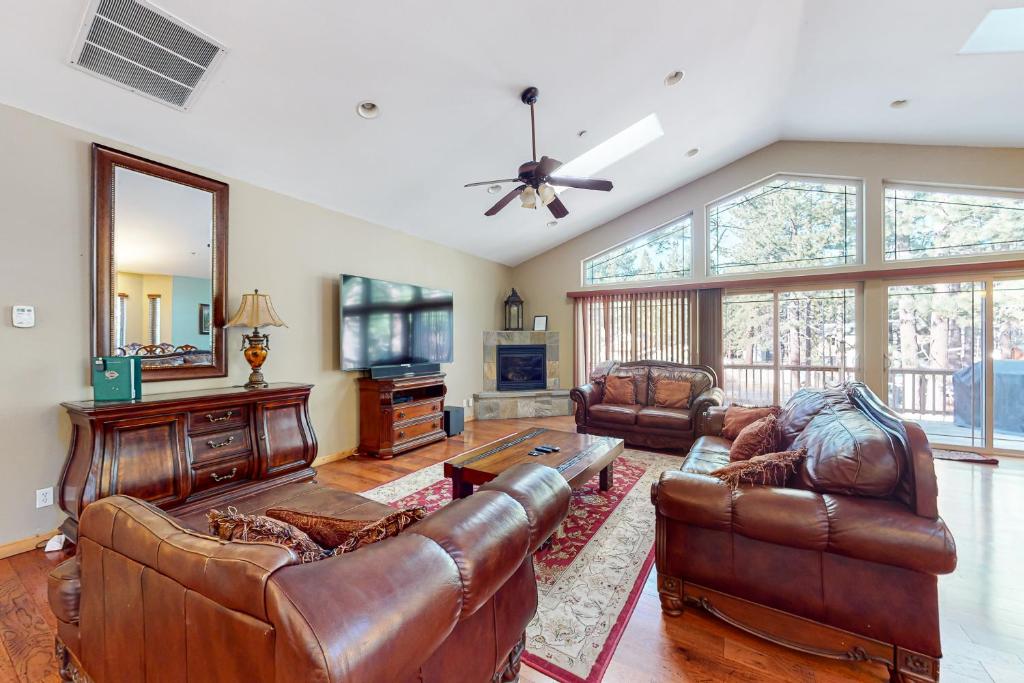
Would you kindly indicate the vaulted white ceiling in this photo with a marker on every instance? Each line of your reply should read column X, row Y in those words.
column 280, row 109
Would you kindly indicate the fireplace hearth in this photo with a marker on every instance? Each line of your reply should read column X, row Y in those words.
column 521, row 367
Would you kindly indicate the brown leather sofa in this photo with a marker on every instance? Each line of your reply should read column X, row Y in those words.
column 148, row 599
column 843, row 563
column 644, row 424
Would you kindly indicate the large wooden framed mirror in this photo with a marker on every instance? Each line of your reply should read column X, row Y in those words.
column 160, row 239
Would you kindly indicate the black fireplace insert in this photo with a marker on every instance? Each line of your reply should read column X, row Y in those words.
column 522, row 366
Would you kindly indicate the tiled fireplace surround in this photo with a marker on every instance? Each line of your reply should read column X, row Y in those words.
column 491, row 404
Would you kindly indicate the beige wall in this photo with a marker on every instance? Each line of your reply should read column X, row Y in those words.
column 288, row 248
column 544, row 280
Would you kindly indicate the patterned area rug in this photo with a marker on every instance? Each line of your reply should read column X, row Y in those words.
column 590, row 578
column 964, row 456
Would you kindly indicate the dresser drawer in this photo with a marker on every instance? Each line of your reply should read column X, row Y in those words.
column 220, row 444
column 417, row 429
column 221, row 473
column 218, row 418
column 411, row 411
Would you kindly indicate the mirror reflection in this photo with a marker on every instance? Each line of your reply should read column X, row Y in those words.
column 163, row 269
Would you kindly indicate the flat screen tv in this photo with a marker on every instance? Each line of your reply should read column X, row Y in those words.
column 392, row 323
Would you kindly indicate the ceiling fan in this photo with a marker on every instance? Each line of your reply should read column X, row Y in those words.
column 538, row 179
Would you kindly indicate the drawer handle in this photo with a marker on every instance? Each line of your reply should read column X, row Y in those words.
column 224, row 477
column 223, row 418
column 220, row 444
column 401, row 435
column 401, row 415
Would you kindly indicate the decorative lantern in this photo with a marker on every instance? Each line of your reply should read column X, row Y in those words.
column 514, row 311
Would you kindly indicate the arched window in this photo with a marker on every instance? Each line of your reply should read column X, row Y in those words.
column 659, row 254
column 785, row 223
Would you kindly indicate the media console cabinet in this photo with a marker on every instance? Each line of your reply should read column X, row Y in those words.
column 399, row 414
column 186, row 450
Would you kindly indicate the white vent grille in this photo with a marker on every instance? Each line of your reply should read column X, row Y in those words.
column 144, row 49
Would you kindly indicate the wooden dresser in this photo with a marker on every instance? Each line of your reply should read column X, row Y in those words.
column 400, row 413
column 188, row 449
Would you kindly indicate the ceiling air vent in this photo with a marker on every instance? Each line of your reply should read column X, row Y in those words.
column 142, row 48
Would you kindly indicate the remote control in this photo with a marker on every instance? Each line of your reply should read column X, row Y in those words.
column 544, row 449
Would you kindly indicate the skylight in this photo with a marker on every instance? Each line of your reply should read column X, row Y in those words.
column 1002, row 30
column 618, row 147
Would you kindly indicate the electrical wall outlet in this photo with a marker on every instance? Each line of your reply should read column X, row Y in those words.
column 44, row 497
column 467, row 403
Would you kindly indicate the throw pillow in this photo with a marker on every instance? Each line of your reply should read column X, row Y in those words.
column 346, row 535
column 770, row 469
column 620, row 390
column 738, row 417
column 757, row 438
column 672, row 393
column 234, row 526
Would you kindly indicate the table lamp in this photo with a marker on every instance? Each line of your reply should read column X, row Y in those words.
column 255, row 311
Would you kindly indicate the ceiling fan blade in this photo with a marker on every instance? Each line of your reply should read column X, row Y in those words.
column 546, row 166
column 557, row 208
column 493, row 182
column 581, row 183
column 504, row 201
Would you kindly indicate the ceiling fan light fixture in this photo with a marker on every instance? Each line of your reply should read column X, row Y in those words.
column 547, row 193
column 528, row 197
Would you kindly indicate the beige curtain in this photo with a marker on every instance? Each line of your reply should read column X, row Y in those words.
column 709, row 330
column 630, row 326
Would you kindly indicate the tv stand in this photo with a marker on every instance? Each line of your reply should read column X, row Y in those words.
column 398, row 414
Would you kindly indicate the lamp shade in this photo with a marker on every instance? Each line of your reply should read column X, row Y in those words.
column 256, row 310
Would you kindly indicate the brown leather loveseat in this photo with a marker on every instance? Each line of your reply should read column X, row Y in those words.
column 643, row 422
column 841, row 563
column 147, row 599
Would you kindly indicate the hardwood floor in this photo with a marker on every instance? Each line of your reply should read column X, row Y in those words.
column 982, row 604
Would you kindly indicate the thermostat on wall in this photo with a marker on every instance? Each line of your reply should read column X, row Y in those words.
column 23, row 316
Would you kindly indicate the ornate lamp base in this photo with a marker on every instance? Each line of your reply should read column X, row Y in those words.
column 256, row 354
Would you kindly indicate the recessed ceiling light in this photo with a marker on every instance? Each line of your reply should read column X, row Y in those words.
column 693, row 152
column 617, row 147
column 899, row 104
column 494, row 189
column 1002, row 30
column 552, row 224
column 368, row 109
column 674, row 77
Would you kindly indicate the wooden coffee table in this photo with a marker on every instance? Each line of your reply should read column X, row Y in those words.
column 582, row 456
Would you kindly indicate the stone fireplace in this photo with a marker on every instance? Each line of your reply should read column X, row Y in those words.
column 520, row 377
column 521, row 366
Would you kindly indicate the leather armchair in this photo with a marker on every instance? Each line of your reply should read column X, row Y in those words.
column 846, row 575
column 147, row 599
column 645, row 424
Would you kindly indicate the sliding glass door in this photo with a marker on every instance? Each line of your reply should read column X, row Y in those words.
column 956, row 360
column 779, row 341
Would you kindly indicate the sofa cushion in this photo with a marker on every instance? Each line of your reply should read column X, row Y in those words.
column 788, row 517
column 770, row 469
column 707, row 454
column 801, row 409
column 664, row 418
column 700, row 380
column 671, row 393
column 234, row 526
column 615, row 414
column 757, row 438
column 738, row 417
column 847, row 453
column 620, row 389
column 345, row 535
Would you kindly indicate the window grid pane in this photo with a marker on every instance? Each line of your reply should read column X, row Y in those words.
column 661, row 254
column 784, row 224
column 926, row 223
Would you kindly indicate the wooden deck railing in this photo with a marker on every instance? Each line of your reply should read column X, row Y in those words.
column 921, row 391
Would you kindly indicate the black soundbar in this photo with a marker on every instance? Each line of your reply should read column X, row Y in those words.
column 404, row 370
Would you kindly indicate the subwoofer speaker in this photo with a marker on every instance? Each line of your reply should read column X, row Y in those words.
column 454, row 420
